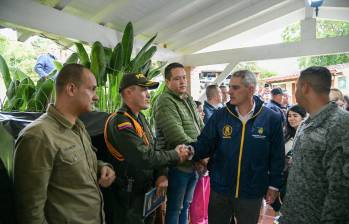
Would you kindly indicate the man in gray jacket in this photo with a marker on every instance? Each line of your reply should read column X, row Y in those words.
column 318, row 182
column 177, row 122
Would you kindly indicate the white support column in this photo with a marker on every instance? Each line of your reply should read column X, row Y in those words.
column 226, row 72
column 308, row 24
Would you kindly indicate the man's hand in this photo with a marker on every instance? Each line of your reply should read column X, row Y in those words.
column 107, row 176
column 161, row 185
column 271, row 196
column 201, row 166
column 183, row 153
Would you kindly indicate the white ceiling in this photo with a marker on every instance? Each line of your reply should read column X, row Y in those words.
column 183, row 26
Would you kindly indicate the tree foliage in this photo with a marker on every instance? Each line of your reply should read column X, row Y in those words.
column 23, row 55
column 324, row 29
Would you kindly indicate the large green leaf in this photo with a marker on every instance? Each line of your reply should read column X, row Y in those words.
column 42, row 96
column 6, row 152
column 156, row 71
column 117, row 60
column 73, row 59
column 127, row 43
column 5, row 72
column 143, row 59
column 11, row 90
column 98, row 63
column 146, row 68
column 23, row 93
column 58, row 65
column 27, row 88
column 108, row 53
column 19, row 75
column 83, row 56
column 52, row 74
column 144, row 49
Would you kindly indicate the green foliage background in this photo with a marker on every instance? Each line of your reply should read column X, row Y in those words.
column 324, row 29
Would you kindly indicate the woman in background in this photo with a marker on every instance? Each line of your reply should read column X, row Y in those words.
column 295, row 116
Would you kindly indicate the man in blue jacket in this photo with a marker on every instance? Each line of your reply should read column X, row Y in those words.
column 275, row 103
column 45, row 65
column 213, row 102
column 245, row 143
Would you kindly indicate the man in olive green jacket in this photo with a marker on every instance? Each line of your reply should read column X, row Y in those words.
column 177, row 122
column 56, row 170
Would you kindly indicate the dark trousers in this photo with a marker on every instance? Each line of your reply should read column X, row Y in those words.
column 122, row 208
column 223, row 209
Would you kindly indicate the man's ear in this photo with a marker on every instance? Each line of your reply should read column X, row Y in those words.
column 167, row 82
column 70, row 89
column 305, row 88
column 252, row 89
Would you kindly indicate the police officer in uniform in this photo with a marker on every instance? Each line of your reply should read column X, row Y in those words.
column 131, row 143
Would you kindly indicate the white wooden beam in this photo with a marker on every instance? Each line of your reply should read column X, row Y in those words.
column 39, row 18
column 334, row 13
column 173, row 10
column 225, row 21
column 226, row 72
column 275, row 51
column 200, row 17
column 106, row 14
column 280, row 17
column 62, row 4
column 308, row 29
column 335, row 3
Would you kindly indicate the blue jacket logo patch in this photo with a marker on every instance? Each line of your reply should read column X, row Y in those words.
column 227, row 131
column 260, row 131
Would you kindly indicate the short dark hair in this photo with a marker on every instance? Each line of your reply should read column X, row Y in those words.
column 319, row 78
column 71, row 73
column 211, row 91
column 198, row 103
column 290, row 132
column 170, row 67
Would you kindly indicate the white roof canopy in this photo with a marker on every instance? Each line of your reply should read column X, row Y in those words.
column 183, row 26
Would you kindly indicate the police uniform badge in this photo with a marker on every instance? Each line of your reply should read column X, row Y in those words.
column 140, row 75
column 227, row 131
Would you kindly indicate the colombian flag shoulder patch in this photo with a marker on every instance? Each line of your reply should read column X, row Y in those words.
column 124, row 125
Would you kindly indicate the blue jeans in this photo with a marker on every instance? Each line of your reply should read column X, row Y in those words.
column 180, row 192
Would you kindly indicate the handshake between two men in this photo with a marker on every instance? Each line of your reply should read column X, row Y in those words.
column 186, row 152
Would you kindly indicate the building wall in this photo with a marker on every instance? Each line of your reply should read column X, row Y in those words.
column 342, row 82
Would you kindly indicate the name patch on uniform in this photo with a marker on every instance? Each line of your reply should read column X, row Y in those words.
column 260, row 134
column 124, row 125
column 227, row 131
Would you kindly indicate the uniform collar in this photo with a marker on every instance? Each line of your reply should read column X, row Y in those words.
column 322, row 114
column 124, row 108
column 55, row 114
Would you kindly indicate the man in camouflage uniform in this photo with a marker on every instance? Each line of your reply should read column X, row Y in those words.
column 318, row 182
column 131, row 143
